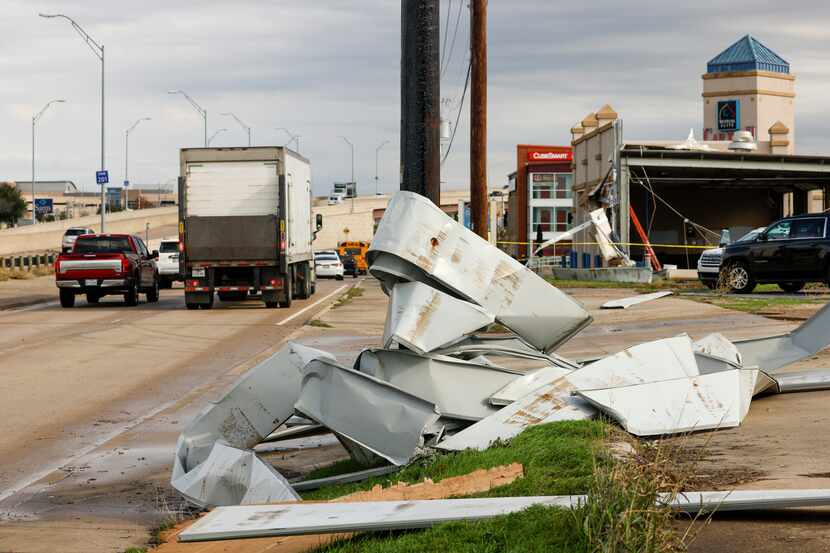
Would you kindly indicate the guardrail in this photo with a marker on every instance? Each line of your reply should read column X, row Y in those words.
column 29, row 261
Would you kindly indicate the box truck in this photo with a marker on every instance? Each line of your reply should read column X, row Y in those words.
column 245, row 225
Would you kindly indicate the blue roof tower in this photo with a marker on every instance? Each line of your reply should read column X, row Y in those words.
column 748, row 54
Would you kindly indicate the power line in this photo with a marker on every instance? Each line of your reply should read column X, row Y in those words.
column 446, row 33
column 454, row 36
column 460, row 109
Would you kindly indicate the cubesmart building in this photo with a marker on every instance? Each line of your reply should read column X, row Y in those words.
column 540, row 198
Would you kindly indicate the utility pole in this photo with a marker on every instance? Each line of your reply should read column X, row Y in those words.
column 478, row 118
column 420, row 99
column 127, row 159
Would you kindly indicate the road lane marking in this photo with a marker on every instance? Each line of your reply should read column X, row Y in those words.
column 315, row 304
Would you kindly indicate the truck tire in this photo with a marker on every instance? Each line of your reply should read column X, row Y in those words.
column 272, row 304
column 739, row 278
column 209, row 304
column 131, row 296
column 191, row 306
column 305, row 283
column 67, row 298
column 289, row 290
column 153, row 292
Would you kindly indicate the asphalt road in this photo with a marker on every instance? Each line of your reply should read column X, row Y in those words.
column 74, row 379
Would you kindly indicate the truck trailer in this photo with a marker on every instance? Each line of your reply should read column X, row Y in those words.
column 245, row 225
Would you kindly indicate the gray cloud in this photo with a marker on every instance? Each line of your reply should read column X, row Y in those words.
column 330, row 68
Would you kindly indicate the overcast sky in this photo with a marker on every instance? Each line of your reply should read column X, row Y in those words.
column 327, row 68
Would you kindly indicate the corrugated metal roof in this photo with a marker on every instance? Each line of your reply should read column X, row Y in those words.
column 748, row 54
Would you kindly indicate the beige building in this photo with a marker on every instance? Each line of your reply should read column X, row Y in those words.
column 748, row 87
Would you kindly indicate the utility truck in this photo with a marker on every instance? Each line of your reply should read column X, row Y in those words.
column 245, row 225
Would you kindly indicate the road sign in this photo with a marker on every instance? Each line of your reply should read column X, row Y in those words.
column 126, row 184
column 43, row 206
column 102, row 177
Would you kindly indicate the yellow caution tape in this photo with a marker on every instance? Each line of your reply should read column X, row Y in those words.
column 567, row 243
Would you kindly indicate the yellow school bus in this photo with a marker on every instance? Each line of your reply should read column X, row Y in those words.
column 357, row 250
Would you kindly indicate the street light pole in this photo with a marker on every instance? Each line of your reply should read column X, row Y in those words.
column 98, row 50
column 377, row 155
column 291, row 137
column 127, row 158
column 352, row 147
column 241, row 124
column 197, row 107
column 35, row 119
column 214, row 135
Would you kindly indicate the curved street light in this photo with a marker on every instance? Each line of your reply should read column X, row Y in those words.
column 35, row 119
column 242, row 124
column 214, row 136
column 98, row 50
column 291, row 137
column 127, row 157
column 197, row 107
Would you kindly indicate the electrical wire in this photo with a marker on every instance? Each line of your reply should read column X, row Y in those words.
column 454, row 36
column 667, row 204
column 446, row 33
column 460, row 109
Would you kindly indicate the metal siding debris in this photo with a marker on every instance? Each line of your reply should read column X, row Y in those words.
column 625, row 303
column 251, row 521
column 526, row 384
column 375, row 414
column 416, row 231
column 749, row 500
column 773, row 353
column 231, row 476
column 717, row 400
column 424, row 319
column 258, row 403
column 348, row 478
column 803, row 381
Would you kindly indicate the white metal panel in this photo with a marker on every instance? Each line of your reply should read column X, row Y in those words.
column 625, row 303
column 232, row 188
column 252, row 521
column 298, row 199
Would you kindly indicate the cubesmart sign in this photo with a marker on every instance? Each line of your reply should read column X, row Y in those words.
column 729, row 115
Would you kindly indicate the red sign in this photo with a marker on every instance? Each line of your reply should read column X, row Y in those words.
column 550, row 156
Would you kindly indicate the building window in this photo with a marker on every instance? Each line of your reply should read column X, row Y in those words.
column 549, row 186
column 551, row 219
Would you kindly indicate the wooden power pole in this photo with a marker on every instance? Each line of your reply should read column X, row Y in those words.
column 478, row 118
column 420, row 99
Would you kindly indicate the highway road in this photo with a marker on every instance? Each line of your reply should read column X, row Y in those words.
column 73, row 380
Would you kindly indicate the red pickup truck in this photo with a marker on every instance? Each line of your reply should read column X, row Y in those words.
column 107, row 264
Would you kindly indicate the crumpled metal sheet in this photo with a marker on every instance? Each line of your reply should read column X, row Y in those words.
column 705, row 402
column 424, row 319
column 416, row 231
column 258, row 403
column 773, row 353
column 254, row 521
column 717, row 346
column 625, row 303
column 231, row 476
column 526, row 384
column 667, row 359
column 459, row 389
column 477, row 345
column 803, row 381
column 375, row 414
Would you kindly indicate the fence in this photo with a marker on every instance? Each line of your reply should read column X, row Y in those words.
column 27, row 262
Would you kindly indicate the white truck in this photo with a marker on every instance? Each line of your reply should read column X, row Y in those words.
column 245, row 225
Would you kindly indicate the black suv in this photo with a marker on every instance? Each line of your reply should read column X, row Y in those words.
column 790, row 252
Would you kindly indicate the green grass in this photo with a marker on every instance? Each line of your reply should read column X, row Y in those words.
column 756, row 305
column 136, row 550
column 557, row 459
column 351, row 293
column 656, row 286
column 319, row 324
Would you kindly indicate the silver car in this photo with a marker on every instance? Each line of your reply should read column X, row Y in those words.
column 72, row 234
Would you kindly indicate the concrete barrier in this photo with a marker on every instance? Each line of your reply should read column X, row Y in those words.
column 28, row 262
column 639, row 275
column 47, row 236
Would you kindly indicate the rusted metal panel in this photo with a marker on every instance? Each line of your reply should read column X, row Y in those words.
column 417, row 231
column 459, row 389
column 375, row 414
column 424, row 319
